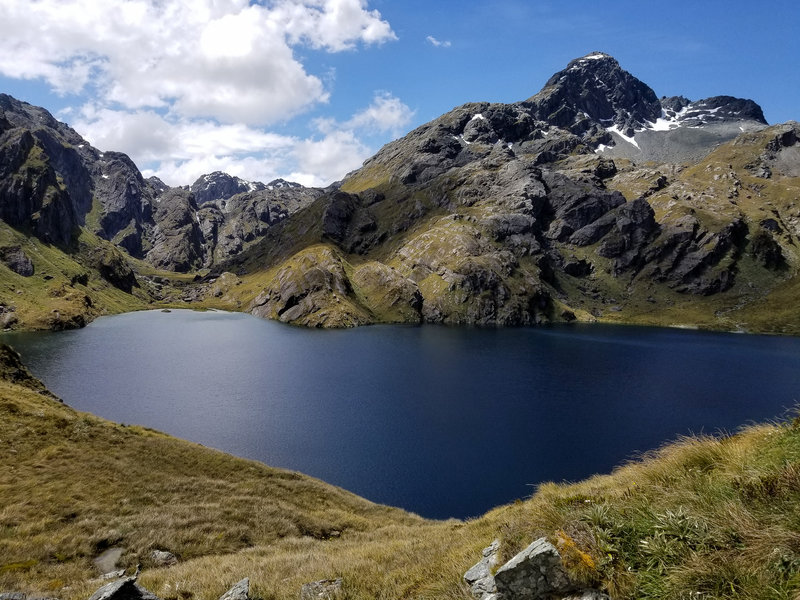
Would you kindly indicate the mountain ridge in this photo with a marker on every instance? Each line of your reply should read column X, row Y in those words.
column 544, row 210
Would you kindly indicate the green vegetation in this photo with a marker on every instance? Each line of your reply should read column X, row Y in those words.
column 64, row 290
column 701, row 518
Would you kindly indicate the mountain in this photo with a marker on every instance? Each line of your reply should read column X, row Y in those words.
column 553, row 209
column 592, row 199
column 53, row 182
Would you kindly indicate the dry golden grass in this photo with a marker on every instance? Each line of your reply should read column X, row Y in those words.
column 703, row 517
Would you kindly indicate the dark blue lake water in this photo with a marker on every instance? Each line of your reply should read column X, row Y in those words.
column 445, row 422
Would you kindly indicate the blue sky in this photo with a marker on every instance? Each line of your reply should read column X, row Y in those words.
column 308, row 89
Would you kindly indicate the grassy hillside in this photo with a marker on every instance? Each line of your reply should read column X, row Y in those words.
column 701, row 518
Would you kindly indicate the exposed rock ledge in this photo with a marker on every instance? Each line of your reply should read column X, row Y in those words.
column 536, row 573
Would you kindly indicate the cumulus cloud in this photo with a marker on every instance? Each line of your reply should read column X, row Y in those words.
column 438, row 43
column 186, row 87
column 179, row 150
column 224, row 59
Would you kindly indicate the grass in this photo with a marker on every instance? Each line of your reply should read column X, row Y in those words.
column 63, row 291
column 703, row 517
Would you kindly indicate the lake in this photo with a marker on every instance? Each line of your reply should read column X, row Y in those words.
column 445, row 422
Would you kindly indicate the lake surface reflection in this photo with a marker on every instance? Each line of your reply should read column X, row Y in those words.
column 445, row 422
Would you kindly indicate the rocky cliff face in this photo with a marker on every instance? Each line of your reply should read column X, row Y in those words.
column 531, row 212
column 52, row 182
column 591, row 199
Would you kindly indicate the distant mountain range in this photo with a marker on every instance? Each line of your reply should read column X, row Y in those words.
column 592, row 199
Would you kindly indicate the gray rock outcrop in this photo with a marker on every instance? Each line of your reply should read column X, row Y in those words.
column 15, row 259
column 239, row 591
column 124, row 589
column 535, row 573
column 479, row 577
column 162, row 558
column 325, row 589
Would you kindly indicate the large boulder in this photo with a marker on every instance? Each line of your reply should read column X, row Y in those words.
column 15, row 259
column 536, row 573
column 123, row 589
column 479, row 577
column 239, row 591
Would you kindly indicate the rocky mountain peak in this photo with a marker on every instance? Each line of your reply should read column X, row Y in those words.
column 282, row 184
column 595, row 89
column 221, row 186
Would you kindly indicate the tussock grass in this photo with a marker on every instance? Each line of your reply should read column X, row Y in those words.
column 703, row 517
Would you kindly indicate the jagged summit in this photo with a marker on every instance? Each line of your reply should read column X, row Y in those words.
column 221, row 186
column 594, row 88
column 282, row 184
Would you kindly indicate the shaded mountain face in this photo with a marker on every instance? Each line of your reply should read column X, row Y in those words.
column 52, row 182
column 594, row 92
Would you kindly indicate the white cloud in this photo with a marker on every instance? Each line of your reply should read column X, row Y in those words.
column 321, row 162
column 186, row 87
column 222, row 59
column 386, row 114
column 438, row 43
column 178, row 150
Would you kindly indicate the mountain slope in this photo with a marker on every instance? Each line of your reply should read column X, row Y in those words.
column 515, row 214
column 592, row 199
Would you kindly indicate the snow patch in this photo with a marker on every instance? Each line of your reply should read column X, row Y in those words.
column 663, row 124
column 618, row 131
column 601, row 148
column 594, row 56
column 479, row 117
column 104, row 176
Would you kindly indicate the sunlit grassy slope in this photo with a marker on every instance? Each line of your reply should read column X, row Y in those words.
column 701, row 518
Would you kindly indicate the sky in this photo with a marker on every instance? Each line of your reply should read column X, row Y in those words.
column 306, row 90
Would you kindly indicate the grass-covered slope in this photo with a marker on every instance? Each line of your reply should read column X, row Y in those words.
column 68, row 287
column 701, row 518
column 72, row 485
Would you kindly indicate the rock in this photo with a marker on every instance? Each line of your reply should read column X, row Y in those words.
column 578, row 268
column 595, row 87
column 113, row 267
column 386, row 292
column 13, row 371
column 162, row 558
column 568, row 315
column 8, row 319
column 177, row 241
column 586, row 595
column 107, row 561
column 766, row 250
column 13, row 596
column 239, row 591
column 605, row 168
column 15, row 259
column 221, row 186
column 325, row 589
column 311, row 289
column 479, row 577
column 348, row 223
column 534, row 573
column 124, row 589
